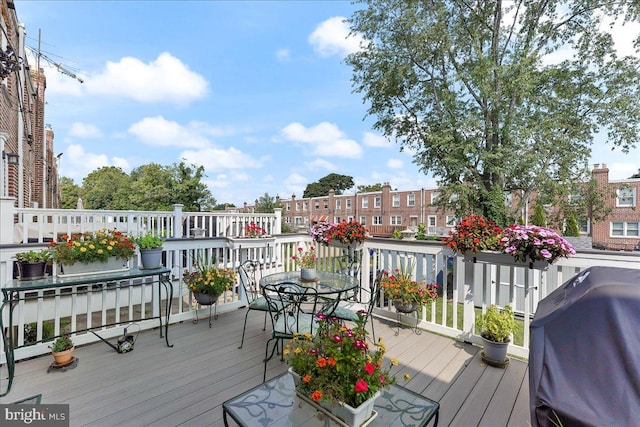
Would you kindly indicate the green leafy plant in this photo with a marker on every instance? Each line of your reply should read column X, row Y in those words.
column 335, row 364
column 148, row 241
column 62, row 343
column 97, row 246
column 421, row 234
column 496, row 325
column 32, row 256
column 397, row 234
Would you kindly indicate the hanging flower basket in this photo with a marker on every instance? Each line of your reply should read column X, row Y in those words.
column 500, row 258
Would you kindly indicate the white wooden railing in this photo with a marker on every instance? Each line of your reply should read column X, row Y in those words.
column 470, row 286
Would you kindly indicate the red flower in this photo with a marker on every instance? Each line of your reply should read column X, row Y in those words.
column 316, row 396
column 369, row 368
column 361, row 386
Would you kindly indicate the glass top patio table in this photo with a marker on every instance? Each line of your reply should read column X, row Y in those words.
column 327, row 283
column 275, row 403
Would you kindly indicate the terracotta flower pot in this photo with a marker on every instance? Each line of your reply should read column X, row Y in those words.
column 63, row 357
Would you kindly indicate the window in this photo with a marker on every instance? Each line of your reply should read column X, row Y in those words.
column 348, row 203
column 434, row 196
column 396, row 201
column 365, row 203
column 451, row 221
column 411, row 199
column 377, row 201
column 288, row 206
column 626, row 197
column 305, row 206
column 297, row 206
column 363, row 220
column 508, row 199
column 298, row 220
column 338, row 204
column 396, row 220
column 431, row 220
column 584, row 226
column 317, row 205
column 337, row 219
column 377, row 220
column 326, row 204
column 625, row 229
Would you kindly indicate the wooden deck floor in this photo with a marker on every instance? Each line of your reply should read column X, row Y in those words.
column 187, row 384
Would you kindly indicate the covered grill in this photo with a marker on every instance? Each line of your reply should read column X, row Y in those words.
column 584, row 358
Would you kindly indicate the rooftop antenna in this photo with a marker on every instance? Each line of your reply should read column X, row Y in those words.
column 58, row 66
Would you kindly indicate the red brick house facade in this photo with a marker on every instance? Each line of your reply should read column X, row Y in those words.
column 33, row 181
column 388, row 210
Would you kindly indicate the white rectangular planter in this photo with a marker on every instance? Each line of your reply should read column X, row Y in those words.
column 503, row 259
column 112, row 265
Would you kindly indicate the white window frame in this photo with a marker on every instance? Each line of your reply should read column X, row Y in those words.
column 411, row 199
column 377, row 201
column 363, row 220
column 434, row 196
column 451, row 221
column 376, row 220
column 365, row 202
column 432, row 221
column 584, row 227
column 625, row 197
column 288, row 206
column 297, row 206
column 338, row 204
column 624, row 228
column 395, row 220
column 305, row 206
column 348, row 204
column 298, row 220
column 395, row 201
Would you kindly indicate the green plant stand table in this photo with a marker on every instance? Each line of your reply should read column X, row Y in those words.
column 16, row 292
column 275, row 403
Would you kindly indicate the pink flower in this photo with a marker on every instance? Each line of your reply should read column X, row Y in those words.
column 369, row 368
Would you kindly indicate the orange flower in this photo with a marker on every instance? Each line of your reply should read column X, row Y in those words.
column 306, row 378
column 316, row 396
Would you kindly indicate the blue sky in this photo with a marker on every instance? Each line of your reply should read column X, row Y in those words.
column 255, row 91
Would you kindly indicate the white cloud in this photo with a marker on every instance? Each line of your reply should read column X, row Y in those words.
column 167, row 79
column 216, row 159
column 331, row 37
column 83, row 130
column 77, row 163
column 283, row 55
column 395, row 164
column 325, row 139
column 295, row 184
column 157, row 131
column 319, row 164
column 370, row 139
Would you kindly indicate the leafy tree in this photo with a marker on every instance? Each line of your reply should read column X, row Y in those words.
column 333, row 181
column 470, row 88
column 152, row 188
column 189, row 190
column 538, row 216
column 369, row 188
column 106, row 188
column 571, row 227
column 69, row 193
column 267, row 204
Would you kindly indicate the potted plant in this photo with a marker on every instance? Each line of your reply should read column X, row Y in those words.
column 531, row 243
column 97, row 252
column 306, row 260
column 496, row 328
column 474, row 234
column 150, row 246
column 407, row 294
column 32, row 264
column 62, row 349
column 208, row 282
column 336, row 369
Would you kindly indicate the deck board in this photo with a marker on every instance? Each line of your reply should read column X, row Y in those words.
column 187, row 384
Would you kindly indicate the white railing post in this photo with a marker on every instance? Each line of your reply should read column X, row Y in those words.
column 7, row 212
column 277, row 226
column 467, row 284
column 177, row 221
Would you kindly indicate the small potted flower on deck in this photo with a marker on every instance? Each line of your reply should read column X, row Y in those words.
column 407, row 294
column 496, row 328
column 150, row 246
column 62, row 350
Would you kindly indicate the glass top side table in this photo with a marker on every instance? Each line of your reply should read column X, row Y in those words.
column 274, row 403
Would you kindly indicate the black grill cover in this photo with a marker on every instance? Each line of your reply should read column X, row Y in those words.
column 584, row 357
